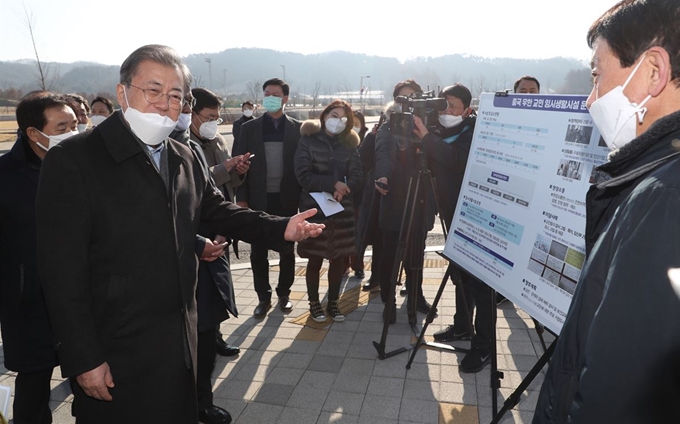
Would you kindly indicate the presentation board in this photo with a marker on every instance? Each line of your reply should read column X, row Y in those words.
column 520, row 219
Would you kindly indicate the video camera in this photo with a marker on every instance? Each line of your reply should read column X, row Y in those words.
column 424, row 105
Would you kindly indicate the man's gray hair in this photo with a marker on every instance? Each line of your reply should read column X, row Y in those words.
column 160, row 54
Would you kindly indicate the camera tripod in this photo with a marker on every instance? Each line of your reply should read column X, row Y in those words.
column 412, row 241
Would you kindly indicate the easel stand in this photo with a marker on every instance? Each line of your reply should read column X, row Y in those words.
column 513, row 399
column 430, row 318
column 495, row 375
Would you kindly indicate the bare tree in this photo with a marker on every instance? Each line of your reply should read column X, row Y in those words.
column 43, row 69
column 315, row 94
column 481, row 84
column 254, row 89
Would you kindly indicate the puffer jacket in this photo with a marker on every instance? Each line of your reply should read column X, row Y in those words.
column 320, row 162
column 617, row 359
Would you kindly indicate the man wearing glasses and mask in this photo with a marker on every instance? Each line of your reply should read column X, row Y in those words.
column 118, row 209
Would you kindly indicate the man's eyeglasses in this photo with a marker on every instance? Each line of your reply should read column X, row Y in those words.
column 219, row 120
column 190, row 102
column 154, row 95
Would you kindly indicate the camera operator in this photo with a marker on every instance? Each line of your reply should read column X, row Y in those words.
column 395, row 164
column 447, row 148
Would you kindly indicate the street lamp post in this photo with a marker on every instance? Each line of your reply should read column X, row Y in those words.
column 209, row 60
column 361, row 91
column 224, row 71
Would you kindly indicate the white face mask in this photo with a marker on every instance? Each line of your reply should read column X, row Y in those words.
column 208, row 130
column 614, row 114
column 450, row 121
column 336, row 125
column 97, row 119
column 356, row 129
column 151, row 128
column 82, row 128
column 247, row 113
column 55, row 139
column 184, row 121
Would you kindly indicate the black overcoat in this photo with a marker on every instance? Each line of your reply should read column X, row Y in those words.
column 254, row 187
column 116, row 251
column 26, row 336
column 397, row 161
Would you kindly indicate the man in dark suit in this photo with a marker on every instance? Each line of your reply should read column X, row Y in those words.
column 271, row 186
column 44, row 119
column 118, row 209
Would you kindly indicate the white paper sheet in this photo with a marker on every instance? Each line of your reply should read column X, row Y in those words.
column 329, row 206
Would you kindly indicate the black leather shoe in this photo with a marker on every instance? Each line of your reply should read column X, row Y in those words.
column 285, row 304
column 223, row 349
column 370, row 285
column 262, row 308
column 214, row 415
column 403, row 291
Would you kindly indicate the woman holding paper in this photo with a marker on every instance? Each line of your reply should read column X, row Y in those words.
column 327, row 167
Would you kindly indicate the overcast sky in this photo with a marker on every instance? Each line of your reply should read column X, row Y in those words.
column 106, row 31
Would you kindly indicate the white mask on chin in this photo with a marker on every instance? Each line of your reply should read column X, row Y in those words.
column 97, row 119
column 614, row 115
column 151, row 128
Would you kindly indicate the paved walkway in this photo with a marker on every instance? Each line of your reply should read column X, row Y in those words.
column 289, row 373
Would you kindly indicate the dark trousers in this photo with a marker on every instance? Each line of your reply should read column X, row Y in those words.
column 259, row 258
column 477, row 294
column 205, row 363
column 355, row 262
column 32, row 398
column 375, row 259
column 413, row 262
column 335, row 271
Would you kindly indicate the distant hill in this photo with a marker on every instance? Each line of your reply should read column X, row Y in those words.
column 244, row 69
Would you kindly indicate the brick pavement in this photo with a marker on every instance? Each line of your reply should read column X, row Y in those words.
column 289, row 373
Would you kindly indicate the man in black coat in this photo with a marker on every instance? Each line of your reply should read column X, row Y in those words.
column 447, row 150
column 118, row 210
column 618, row 353
column 271, row 186
column 27, row 338
column 247, row 110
